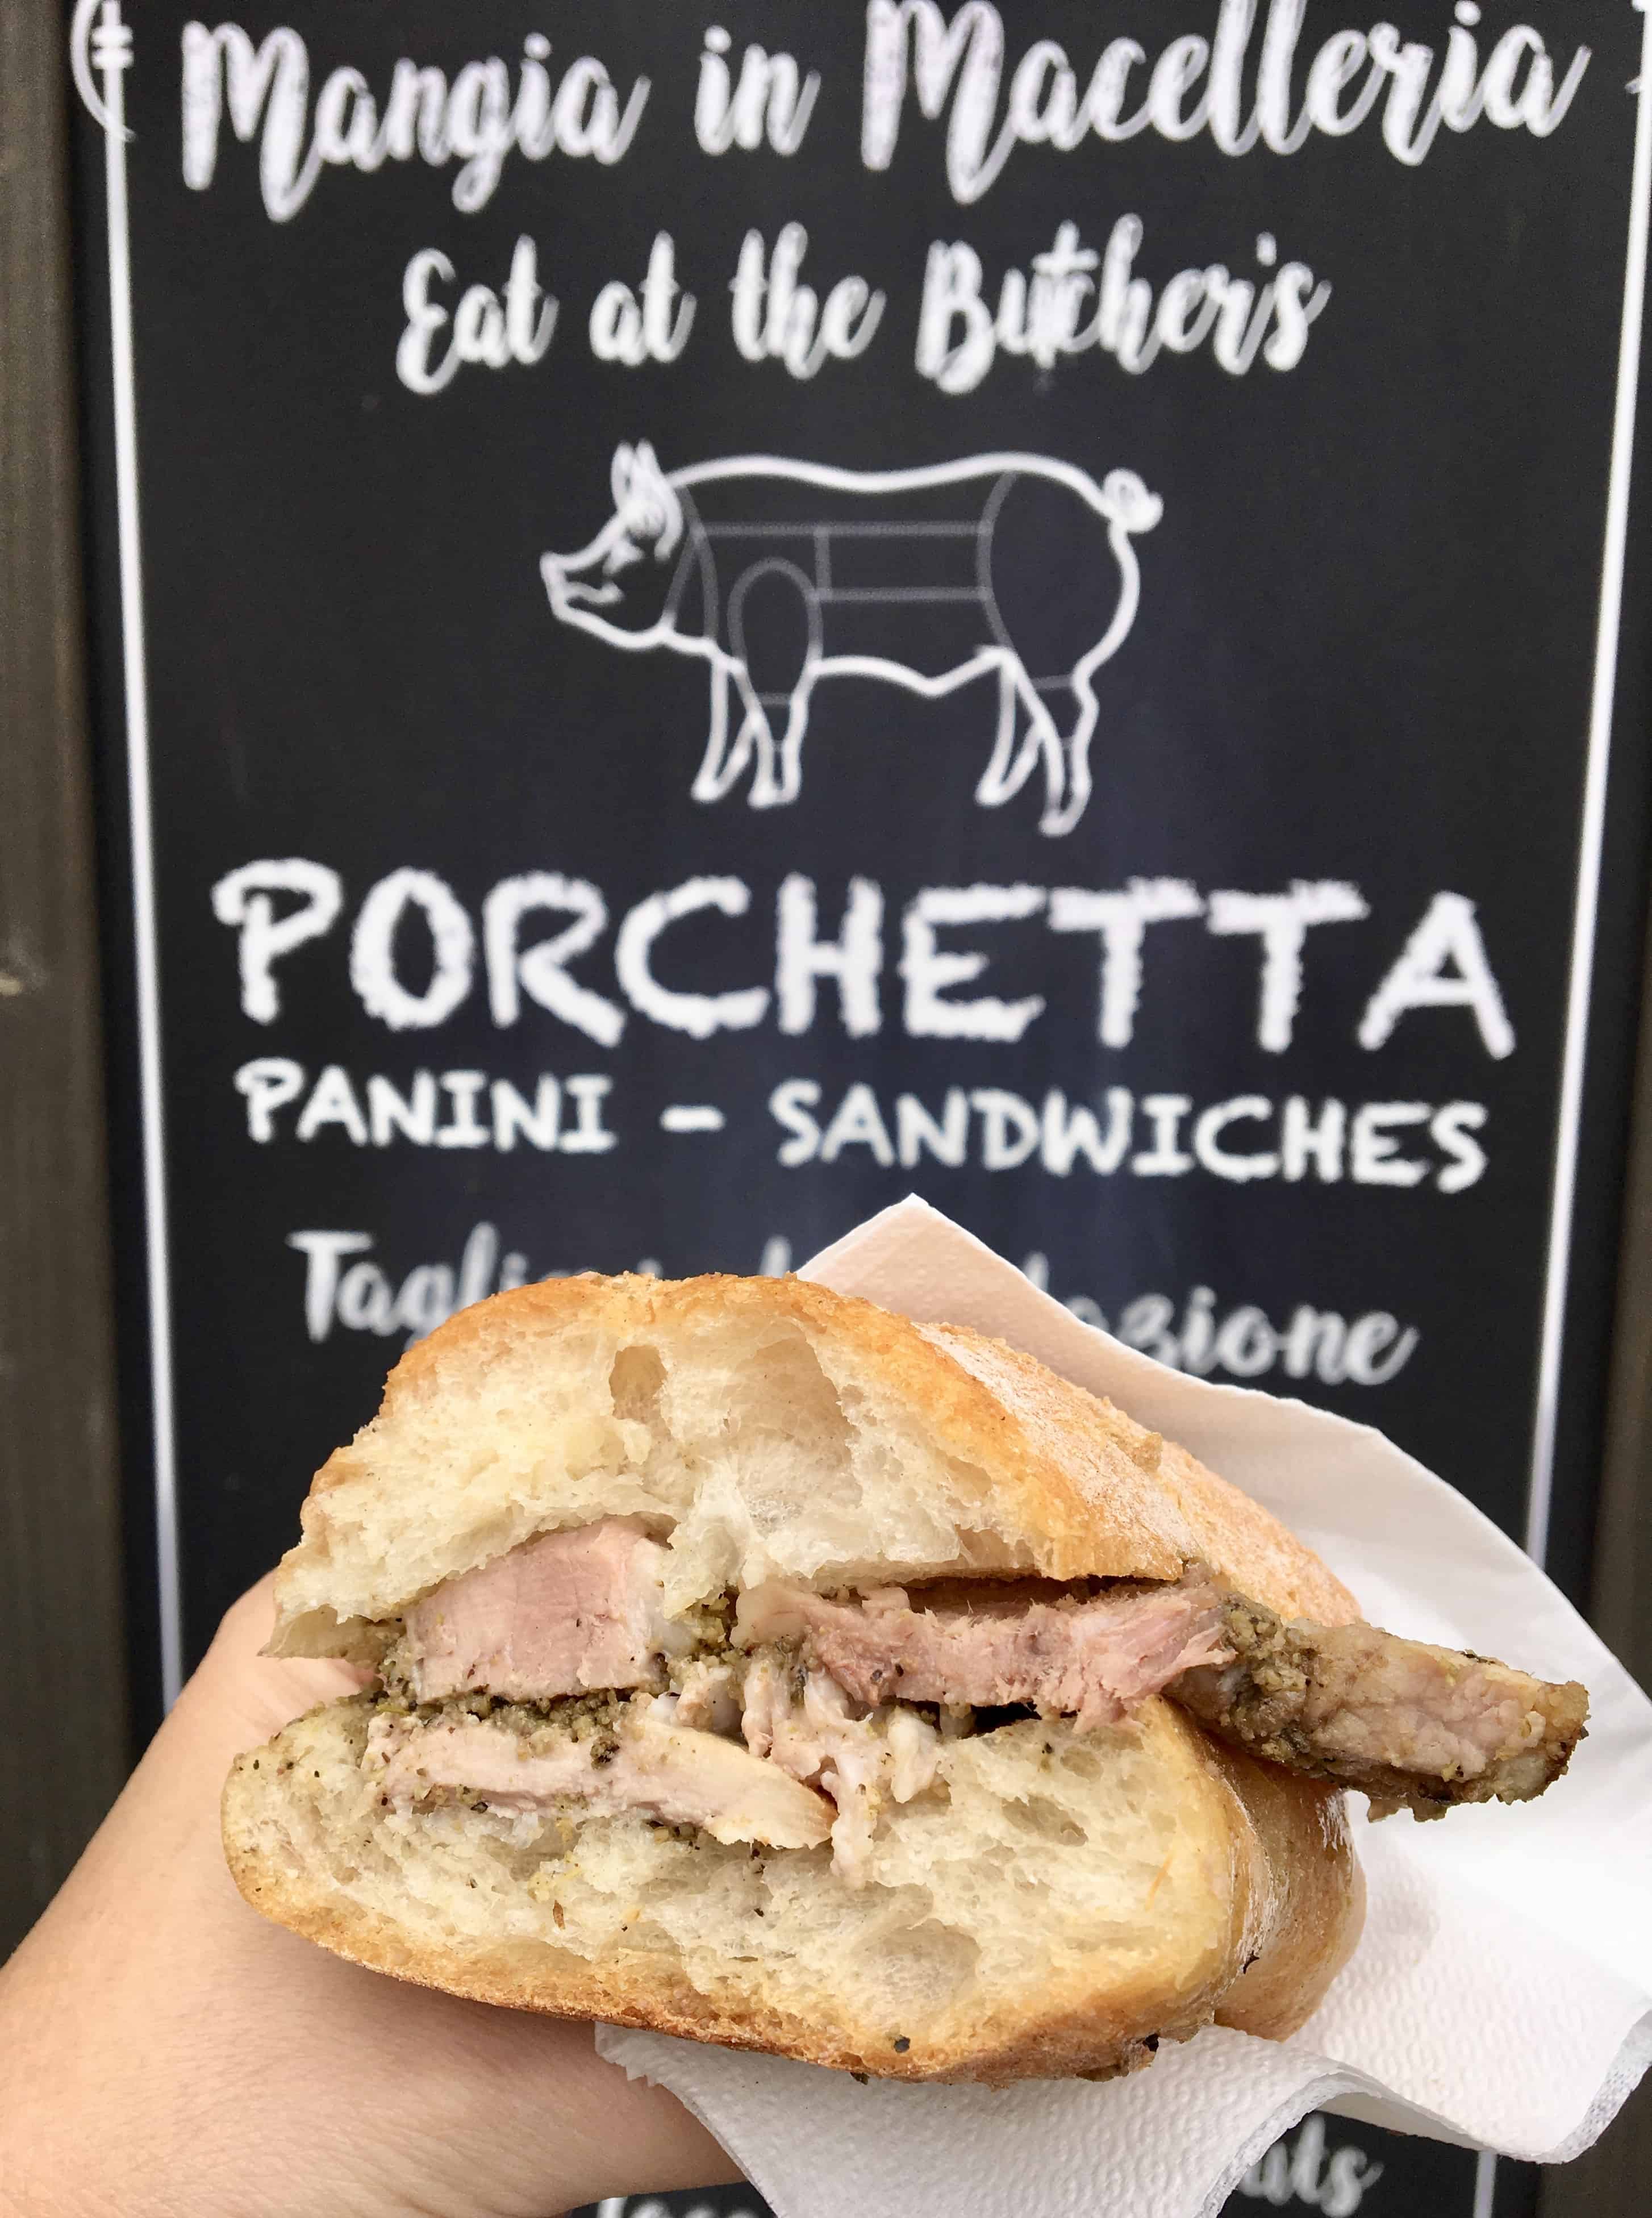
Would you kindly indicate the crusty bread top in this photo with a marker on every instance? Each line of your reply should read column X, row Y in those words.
column 1232, row 1532
column 770, row 1428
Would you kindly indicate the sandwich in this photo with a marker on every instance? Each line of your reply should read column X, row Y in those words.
column 756, row 1665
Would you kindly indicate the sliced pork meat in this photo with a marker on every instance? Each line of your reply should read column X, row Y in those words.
column 560, row 1615
column 819, row 1704
column 1094, row 1660
column 802, row 1721
column 708, row 1696
column 1415, row 1727
column 645, row 1762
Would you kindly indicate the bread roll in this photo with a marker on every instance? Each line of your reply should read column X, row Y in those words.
column 1045, row 1900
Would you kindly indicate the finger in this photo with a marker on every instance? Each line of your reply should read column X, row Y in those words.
column 240, row 1696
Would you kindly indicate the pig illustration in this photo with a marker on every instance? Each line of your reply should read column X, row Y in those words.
column 779, row 574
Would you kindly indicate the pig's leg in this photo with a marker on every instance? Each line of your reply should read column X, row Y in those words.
column 791, row 743
column 755, row 736
column 717, row 772
column 1017, row 751
column 992, row 791
column 1074, row 703
column 774, row 630
column 723, row 764
column 1068, row 795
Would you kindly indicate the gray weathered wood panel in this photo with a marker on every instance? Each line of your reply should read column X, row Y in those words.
column 1614, row 2179
column 63, row 1749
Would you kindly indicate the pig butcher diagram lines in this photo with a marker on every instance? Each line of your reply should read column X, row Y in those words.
column 778, row 573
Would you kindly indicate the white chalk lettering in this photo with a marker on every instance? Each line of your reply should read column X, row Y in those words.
column 476, row 120
column 1223, row 1162
column 858, row 1124
column 1164, row 1158
column 699, row 1015
column 790, row 1106
column 538, row 1121
column 493, row 330
column 1449, row 933
column 1010, row 1128
column 855, row 958
column 1196, row 1335
column 1122, row 920
column 267, row 1084
column 362, row 1298
column 462, row 1088
column 245, row 899
column 1374, row 1148
column 275, row 908
column 1449, row 1131
column 928, row 971
column 1070, row 1133
column 1282, row 922
column 1077, row 300
column 372, row 950
column 1307, row 1136
column 957, row 69
column 541, row 972
column 777, row 318
column 322, row 1252
column 589, row 1136
column 1302, row 2172
column 444, row 1109
column 1173, row 1136
column 392, row 1115
column 918, row 1134
column 332, row 1101
column 650, row 324
column 770, row 101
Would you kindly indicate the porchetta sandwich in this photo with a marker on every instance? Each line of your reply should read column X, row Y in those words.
column 756, row 1665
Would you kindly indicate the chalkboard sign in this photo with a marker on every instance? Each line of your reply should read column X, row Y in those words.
column 1325, row 2163
column 708, row 616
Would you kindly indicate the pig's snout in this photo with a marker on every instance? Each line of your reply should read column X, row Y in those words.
column 568, row 590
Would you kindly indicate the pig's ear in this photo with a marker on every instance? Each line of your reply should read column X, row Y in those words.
column 622, row 474
column 655, row 511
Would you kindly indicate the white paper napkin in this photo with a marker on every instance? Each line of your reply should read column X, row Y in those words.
column 1501, row 1995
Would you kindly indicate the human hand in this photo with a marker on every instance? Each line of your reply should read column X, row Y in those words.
column 164, row 2050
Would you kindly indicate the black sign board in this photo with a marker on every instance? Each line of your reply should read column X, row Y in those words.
column 706, row 617
column 1326, row 2164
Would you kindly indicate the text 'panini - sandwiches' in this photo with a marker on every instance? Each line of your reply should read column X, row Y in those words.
column 759, row 1666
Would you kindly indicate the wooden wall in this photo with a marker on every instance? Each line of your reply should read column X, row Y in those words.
column 63, row 1743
